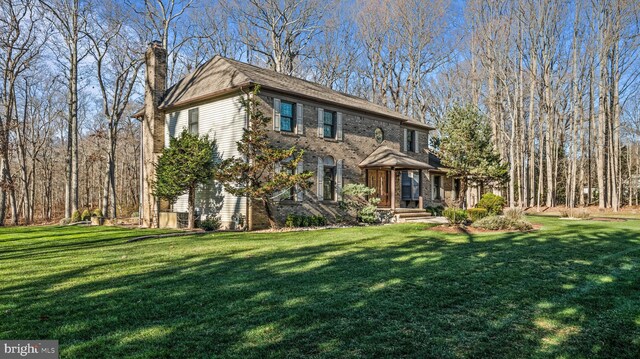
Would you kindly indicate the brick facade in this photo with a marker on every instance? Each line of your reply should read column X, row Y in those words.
column 358, row 142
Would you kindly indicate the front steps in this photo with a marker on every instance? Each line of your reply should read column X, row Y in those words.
column 404, row 215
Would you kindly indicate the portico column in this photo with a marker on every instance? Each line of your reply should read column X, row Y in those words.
column 393, row 188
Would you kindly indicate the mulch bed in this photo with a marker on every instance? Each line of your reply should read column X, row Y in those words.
column 606, row 219
column 444, row 228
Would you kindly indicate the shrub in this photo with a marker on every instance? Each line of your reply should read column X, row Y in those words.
column 296, row 220
column 98, row 213
column 496, row 223
column 291, row 221
column 514, row 214
column 493, row 223
column 318, row 221
column 492, row 203
column 210, row 224
column 65, row 221
column 476, row 213
column 521, row 225
column 435, row 211
column 355, row 198
column 455, row 215
column 583, row 214
column 75, row 217
column 369, row 214
column 357, row 190
column 86, row 215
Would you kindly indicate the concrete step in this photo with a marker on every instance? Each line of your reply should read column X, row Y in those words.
column 428, row 219
column 411, row 215
column 418, row 213
column 408, row 210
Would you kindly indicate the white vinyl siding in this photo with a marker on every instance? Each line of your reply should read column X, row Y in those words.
column 224, row 120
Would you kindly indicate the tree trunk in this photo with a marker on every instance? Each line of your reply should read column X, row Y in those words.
column 112, row 171
column 600, row 137
column 269, row 212
column 615, row 127
column 191, row 206
column 531, row 131
column 550, row 136
column 575, row 100
column 105, row 193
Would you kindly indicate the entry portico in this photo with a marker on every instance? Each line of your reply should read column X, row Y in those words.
column 381, row 169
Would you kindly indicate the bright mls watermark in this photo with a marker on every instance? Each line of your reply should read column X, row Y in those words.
column 31, row 349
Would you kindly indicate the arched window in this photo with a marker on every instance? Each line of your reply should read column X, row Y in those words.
column 329, row 179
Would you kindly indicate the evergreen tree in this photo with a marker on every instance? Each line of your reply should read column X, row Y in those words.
column 465, row 147
column 188, row 162
column 255, row 175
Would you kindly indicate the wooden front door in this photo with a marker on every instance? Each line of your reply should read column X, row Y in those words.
column 379, row 179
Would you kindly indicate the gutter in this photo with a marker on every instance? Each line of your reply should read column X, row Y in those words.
column 213, row 95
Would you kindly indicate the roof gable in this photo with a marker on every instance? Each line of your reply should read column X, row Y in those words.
column 214, row 76
column 385, row 157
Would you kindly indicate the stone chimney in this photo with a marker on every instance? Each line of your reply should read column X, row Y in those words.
column 152, row 128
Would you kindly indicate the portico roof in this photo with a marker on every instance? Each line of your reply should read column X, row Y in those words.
column 385, row 157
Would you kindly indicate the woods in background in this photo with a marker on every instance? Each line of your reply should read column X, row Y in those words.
column 557, row 80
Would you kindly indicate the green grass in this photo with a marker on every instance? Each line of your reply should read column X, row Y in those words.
column 569, row 290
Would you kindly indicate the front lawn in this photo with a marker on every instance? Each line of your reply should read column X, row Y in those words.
column 571, row 289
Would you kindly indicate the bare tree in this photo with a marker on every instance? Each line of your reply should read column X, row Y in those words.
column 161, row 20
column 116, row 49
column 20, row 43
column 68, row 17
column 278, row 32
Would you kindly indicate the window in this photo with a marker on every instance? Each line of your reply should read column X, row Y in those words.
column 329, row 124
column 410, row 186
column 406, row 186
column 329, row 179
column 287, row 116
column 411, row 141
column 456, row 189
column 193, row 121
column 436, row 187
column 329, row 184
column 288, row 194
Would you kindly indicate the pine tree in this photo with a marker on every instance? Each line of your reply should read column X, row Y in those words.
column 255, row 174
column 188, row 162
column 466, row 148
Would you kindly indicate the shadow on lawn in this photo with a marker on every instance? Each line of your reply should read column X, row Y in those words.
column 546, row 294
column 60, row 241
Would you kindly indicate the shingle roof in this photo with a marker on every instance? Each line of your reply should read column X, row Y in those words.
column 220, row 75
column 435, row 162
column 386, row 157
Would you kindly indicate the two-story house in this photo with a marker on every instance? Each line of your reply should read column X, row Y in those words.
column 346, row 139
